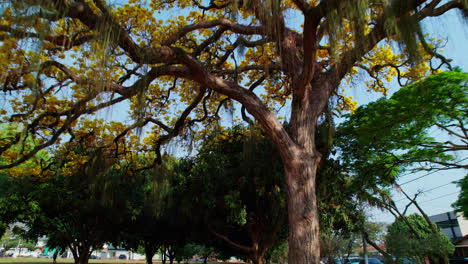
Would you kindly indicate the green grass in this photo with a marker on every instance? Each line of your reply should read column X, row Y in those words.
column 60, row 260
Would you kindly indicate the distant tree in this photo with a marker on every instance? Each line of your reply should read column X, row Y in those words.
column 20, row 243
column 461, row 205
column 11, row 203
column 278, row 254
column 417, row 243
column 144, row 231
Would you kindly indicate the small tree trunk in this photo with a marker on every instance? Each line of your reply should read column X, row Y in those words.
column 83, row 255
column 150, row 250
column 149, row 258
column 82, row 260
column 258, row 261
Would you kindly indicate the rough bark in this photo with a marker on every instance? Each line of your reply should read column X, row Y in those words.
column 300, row 171
column 149, row 252
column 304, row 244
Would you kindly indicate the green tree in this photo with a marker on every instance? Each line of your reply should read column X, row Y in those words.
column 216, row 54
column 12, row 204
column 144, row 230
column 383, row 138
column 417, row 243
column 237, row 183
column 80, row 211
column 461, row 205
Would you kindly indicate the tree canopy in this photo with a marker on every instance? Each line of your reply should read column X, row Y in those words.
column 385, row 138
column 80, row 211
column 389, row 135
column 64, row 61
column 417, row 243
column 236, row 183
column 461, row 205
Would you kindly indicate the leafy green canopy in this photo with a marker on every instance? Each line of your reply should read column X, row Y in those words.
column 385, row 137
column 80, row 211
column 417, row 243
column 237, row 183
column 461, row 205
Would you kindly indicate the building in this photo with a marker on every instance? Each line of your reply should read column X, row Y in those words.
column 454, row 225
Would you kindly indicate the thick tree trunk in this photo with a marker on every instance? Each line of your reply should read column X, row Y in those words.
column 300, row 172
column 304, row 246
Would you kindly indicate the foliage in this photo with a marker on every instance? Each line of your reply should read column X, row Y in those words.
column 403, row 243
column 461, row 205
column 384, row 137
column 144, row 230
column 10, row 240
column 339, row 206
column 278, row 254
column 13, row 205
column 338, row 243
column 236, row 182
column 13, row 243
column 81, row 211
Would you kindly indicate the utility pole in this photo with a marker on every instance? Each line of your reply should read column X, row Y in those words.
column 364, row 246
column 364, row 242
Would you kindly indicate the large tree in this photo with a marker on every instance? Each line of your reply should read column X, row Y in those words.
column 62, row 60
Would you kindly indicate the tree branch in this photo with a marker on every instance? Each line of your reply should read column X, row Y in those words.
column 230, row 242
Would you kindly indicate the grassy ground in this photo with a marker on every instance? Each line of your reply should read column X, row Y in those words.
column 60, row 260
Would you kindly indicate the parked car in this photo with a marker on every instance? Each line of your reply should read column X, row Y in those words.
column 371, row 261
column 353, row 260
column 458, row 260
column 122, row 256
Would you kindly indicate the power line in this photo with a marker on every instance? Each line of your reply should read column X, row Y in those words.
column 437, row 187
column 457, row 192
column 425, row 191
column 425, row 175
